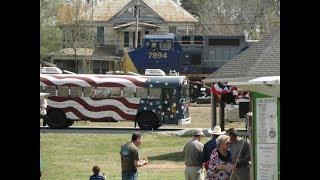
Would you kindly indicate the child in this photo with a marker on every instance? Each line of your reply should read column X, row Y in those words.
column 96, row 175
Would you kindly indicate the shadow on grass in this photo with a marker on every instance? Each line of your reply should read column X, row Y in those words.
column 174, row 156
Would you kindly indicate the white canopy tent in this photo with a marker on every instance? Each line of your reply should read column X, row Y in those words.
column 268, row 85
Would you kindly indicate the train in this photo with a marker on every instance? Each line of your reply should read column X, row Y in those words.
column 195, row 56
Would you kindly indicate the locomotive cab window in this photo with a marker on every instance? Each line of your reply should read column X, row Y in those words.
column 224, row 42
column 185, row 40
column 147, row 44
column 166, row 45
column 198, row 40
column 154, row 45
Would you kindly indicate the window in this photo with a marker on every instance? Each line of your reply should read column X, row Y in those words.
column 100, row 67
column 148, row 44
column 63, row 91
column 173, row 30
column 75, row 91
column 154, row 45
column 100, row 35
column 142, row 92
column 154, row 93
column 42, row 88
column 88, row 91
column 185, row 40
column 51, row 90
column 224, row 42
column 96, row 67
column 166, row 45
column 104, row 67
column 126, row 39
column 184, row 92
column 115, row 92
column 129, row 92
column 195, row 59
column 102, row 92
column 198, row 40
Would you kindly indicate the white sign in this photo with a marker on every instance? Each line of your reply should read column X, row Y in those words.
column 267, row 120
column 267, row 138
column 267, row 166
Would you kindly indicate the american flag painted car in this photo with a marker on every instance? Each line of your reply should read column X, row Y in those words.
column 149, row 100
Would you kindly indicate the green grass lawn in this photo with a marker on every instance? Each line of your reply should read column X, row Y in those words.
column 72, row 156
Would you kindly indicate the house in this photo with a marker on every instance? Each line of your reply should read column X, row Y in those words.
column 112, row 24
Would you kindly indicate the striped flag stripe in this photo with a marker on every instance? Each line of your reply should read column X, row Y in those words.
column 94, row 102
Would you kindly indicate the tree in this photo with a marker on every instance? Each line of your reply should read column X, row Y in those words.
column 76, row 22
column 251, row 17
column 50, row 34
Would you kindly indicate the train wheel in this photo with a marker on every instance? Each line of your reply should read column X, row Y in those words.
column 148, row 121
column 56, row 119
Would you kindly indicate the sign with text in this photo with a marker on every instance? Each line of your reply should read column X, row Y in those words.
column 266, row 132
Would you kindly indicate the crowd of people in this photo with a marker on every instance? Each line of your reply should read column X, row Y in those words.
column 225, row 157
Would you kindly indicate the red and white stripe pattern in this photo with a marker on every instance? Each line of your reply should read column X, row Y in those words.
column 98, row 109
column 86, row 108
column 242, row 97
column 88, row 80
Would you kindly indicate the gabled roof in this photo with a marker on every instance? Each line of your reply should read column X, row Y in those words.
column 105, row 10
column 70, row 52
column 170, row 11
column 261, row 59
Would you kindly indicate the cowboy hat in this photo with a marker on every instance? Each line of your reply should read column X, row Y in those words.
column 216, row 131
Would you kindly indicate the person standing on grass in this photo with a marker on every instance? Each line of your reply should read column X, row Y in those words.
column 240, row 150
column 96, row 175
column 193, row 152
column 130, row 159
column 211, row 145
column 220, row 167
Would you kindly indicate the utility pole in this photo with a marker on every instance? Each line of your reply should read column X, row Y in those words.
column 136, row 12
column 213, row 111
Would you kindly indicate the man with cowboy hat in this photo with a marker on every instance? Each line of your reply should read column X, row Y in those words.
column 211, row 145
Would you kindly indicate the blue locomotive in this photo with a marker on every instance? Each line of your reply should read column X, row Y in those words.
column 195, row 56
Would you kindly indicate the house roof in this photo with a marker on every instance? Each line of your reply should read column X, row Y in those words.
column 261, row 59
column 70, row 52
column 170, row 11
column 106, row 52
column 121, row 26
column 105, row 10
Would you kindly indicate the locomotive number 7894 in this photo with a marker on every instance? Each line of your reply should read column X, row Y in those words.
column 157, row 55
